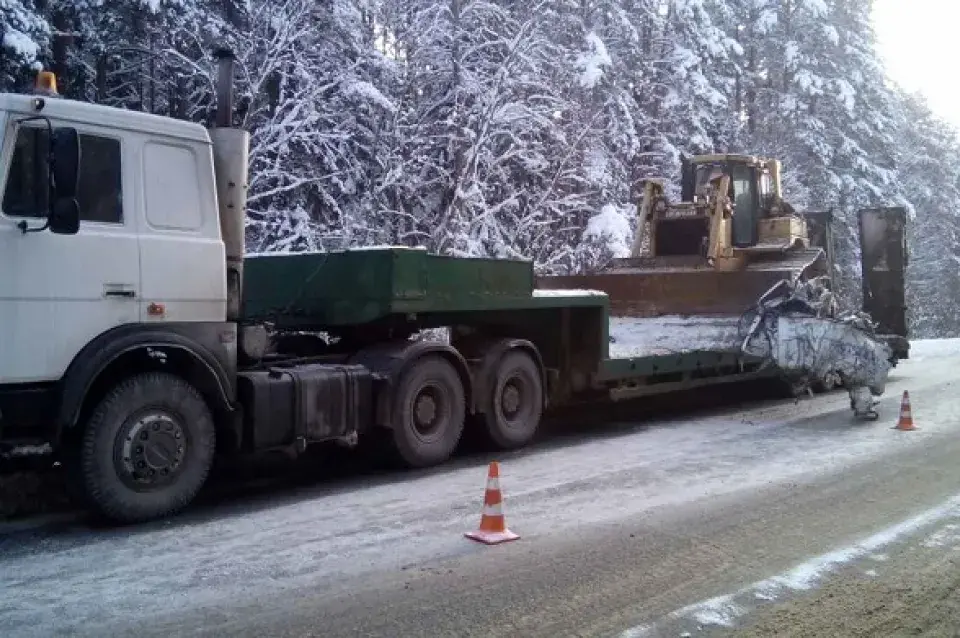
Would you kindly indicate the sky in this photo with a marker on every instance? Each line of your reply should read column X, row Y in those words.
column 917, row 40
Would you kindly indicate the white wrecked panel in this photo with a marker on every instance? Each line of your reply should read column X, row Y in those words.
column 793, row 329
column 640, row 337
column 819, row 346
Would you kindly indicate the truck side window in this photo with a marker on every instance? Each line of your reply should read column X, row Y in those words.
column 100, row 190
column 26, row 192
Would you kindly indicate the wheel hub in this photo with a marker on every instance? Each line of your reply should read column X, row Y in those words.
column 510, row 400
column 153, row 449
column 425, row 411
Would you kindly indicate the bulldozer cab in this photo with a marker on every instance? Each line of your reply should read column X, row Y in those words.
column 731, row 206
column 751, row 192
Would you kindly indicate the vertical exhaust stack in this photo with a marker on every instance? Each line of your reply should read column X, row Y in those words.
column 231, row 152
column 774, row 166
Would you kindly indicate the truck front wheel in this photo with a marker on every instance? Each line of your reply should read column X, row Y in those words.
column 429, row 412
column 147, row 448
column 515, row 405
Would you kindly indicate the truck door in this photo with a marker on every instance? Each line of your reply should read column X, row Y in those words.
column 58, row 292
column 182, row 258
column 883, row 257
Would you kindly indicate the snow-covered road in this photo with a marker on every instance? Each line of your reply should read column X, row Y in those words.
column 344, row 546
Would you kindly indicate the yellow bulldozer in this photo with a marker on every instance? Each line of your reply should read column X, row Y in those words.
column 730, row 238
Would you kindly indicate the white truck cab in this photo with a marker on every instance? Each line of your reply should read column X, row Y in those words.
column 148, row 247
column 112, row 252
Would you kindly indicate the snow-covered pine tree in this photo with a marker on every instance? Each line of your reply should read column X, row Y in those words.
column 24, row 36
column 928, row 163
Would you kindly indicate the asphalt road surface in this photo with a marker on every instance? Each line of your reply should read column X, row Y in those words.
column 787, row 517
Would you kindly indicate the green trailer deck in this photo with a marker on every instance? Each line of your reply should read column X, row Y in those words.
column 324, row 291
column 355, row 287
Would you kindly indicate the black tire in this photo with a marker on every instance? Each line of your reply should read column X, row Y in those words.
column 131, row 483
column 795, row 388
column 829, row 383
column 515, row 405
column 429, row 412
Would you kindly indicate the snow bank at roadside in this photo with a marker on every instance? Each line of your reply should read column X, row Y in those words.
column 934, row 348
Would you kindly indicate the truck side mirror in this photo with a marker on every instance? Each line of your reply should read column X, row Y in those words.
column 65, row 162
column 64, row 218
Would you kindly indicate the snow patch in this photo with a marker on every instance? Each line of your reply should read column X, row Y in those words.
column 22, row 451
column 611, row 226
column 573, row 292
column 646, row 336
column 724, row 610
column 597, row 166
column 21, row 44
column 592, row 62
column 933, row 348
column 441, row 335
column 947, row 535
column 354, row 249
column 360, row 249
column 366, row 91
column 721, row 611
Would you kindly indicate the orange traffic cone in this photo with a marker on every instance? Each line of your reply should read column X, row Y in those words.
column 906, row 415
column 493, row 528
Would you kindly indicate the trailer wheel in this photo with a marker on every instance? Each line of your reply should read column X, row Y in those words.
column 795, row 387
column 429, row 412
column 828, row 383
column 147, row 448
column 515, row 405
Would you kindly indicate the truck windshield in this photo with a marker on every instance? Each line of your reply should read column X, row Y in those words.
column 26, row 192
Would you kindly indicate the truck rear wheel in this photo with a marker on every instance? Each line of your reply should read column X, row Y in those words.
column 429, row 412
column 147, row 448
column 515, row 405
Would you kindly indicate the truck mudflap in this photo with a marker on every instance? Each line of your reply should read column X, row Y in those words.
column 795, row 329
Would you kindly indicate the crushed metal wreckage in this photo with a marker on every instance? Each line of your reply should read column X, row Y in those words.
column 798, row 329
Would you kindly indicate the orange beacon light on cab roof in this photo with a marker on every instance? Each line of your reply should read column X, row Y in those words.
column 46, row 83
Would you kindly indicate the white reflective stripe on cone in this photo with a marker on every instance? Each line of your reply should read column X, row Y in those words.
column 493, row 510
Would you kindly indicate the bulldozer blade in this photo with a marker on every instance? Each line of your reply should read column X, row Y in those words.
column 645, row 288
